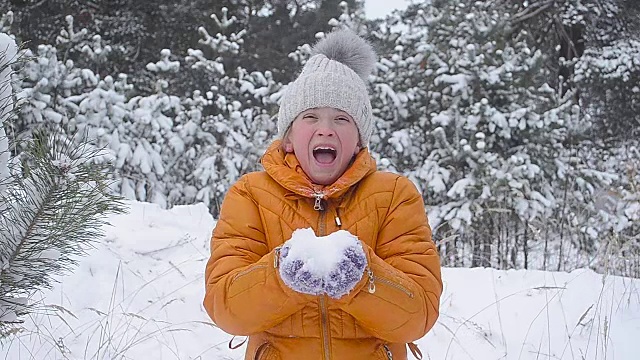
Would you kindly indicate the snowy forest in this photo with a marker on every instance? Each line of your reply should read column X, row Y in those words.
column 517, row 120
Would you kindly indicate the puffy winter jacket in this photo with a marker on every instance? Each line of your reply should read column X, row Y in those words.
column 395, row 303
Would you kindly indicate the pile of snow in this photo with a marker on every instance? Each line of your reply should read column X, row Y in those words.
column 138, row 296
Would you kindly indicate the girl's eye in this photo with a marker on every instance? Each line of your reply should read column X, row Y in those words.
column 343, row 119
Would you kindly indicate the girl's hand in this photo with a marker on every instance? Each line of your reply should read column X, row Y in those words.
column 296, row 276
column 332, row 264
column 346, row 275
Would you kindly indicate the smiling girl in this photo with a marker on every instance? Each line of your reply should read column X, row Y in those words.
column 321, row 200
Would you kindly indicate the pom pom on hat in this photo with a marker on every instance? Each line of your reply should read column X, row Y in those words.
column 349, row 49
column 334, row 77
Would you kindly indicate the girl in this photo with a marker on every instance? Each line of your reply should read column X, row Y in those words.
column 321, row 256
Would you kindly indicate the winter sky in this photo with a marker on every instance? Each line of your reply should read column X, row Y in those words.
column 375, row 9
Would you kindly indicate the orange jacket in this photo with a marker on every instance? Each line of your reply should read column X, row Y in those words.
column 396, row 302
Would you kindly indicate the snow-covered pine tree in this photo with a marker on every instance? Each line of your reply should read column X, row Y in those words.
column 352, row 18
column 53, row 203
column 10, row 309
column 55, row 94
column 8, row 53
column 400, row 89
column 47, row 87
column 70, row 40
column 610, row 79
column 225, row 127
column 53, row 207
column 88, row 50
column 100, row 118
column 600, row 210
column 469, row 115
column 148, row 136
column 593, row 44
column 36, row 82
column 593, row 50
column 187, row 147
column 139, row 133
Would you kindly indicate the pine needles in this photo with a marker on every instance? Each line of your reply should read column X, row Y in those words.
column 54, row 205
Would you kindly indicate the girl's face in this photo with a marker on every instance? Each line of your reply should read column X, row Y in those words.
column 324, row 141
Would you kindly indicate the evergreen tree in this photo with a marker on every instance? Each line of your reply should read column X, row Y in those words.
column 136, row 30
column 49, row 84
column 149, row 136
column 468, row 114
column 224, row 128
column 592, row 42
column 593, row 47
column 8, row 52
column 610, row 79
column 53, row 207
column 53, row 200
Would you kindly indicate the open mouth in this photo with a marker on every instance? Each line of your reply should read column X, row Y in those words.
column 324, row 155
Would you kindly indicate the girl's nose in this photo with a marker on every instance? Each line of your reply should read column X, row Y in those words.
column 325, row 128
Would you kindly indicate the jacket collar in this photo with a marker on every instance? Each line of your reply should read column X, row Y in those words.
column 285, row 169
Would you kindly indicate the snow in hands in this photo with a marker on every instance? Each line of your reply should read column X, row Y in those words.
column 331, row 264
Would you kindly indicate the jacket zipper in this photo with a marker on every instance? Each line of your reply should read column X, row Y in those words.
column 276, row 256
column 325, row 330
column 318, row 206
column 246, row 271
column 372, row 281
column 388, row 352
column 390, row 283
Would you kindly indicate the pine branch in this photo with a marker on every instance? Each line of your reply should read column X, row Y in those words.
column 529, row 13
column 51, row 215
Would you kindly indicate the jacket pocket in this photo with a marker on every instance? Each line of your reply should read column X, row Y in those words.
column 394, row 285
column 247, row 272
column 242, row 282
column 266, row 351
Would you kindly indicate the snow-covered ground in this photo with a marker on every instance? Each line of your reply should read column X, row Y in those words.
column 138, row 295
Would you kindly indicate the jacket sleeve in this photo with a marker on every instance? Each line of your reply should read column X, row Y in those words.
column 243, row 292
column 406, row 273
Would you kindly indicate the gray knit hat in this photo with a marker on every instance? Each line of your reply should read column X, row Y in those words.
column 334, row 77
